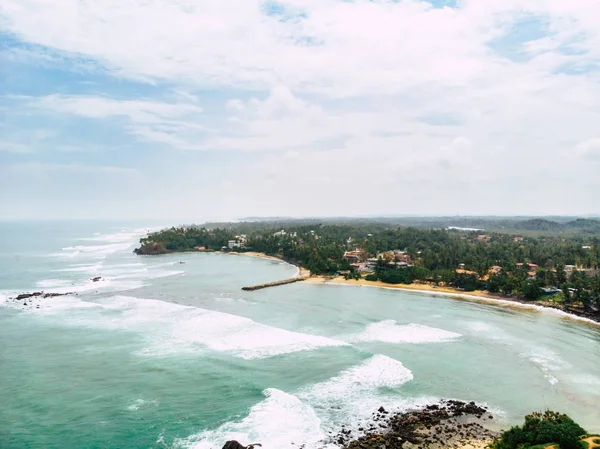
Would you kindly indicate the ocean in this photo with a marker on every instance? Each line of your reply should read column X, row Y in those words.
column 168, row 352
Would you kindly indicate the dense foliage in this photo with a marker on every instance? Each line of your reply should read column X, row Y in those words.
column 436, row 254
column 542, row 428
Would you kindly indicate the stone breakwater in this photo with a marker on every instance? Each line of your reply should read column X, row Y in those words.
column 448, row 424
column 273, row 284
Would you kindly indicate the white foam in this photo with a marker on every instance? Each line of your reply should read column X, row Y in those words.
column 83, row 268
column 145, row 274
column 139, row 403
column 490, row 331
column 223, row 332
column 118, row 237
column 389, row 331
column 53, row 283
column 172, row 328
column 350, row 397
column 586, row 379
column 98, row 250
column 547, row 361
column 377, row 372
column 279, row 421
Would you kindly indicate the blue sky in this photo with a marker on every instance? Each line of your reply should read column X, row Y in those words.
column 220, row 109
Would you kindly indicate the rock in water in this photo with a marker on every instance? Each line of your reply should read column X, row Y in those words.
column 236, row 445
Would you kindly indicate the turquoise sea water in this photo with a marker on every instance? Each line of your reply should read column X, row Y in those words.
column 168, row 354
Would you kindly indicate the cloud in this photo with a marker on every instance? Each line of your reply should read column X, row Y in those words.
column 405, row 105
column 39, row 168
column 589, row 149
column 149, row 120
column 138, row 111
column 11, row 147
column 332, row 47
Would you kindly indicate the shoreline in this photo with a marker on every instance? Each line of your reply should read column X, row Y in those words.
column 301, row 271
column 442, row 425
column 475, row 296
column 423, row 289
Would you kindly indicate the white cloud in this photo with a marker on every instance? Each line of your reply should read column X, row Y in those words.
column 337, row 48
column 589, row 149
column 138, row 111
column 12, row 147
column 149, row 120
column 387, row 93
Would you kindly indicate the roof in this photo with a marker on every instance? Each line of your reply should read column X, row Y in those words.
column 459, row 271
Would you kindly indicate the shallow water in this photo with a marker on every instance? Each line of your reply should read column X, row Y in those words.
column 163, row 354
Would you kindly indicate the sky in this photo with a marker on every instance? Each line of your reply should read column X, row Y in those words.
column 218, row 109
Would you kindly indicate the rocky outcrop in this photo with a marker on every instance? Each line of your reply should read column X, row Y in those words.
column 448, row 424
column 236, row 445
column 151, row 249
column 24, row 296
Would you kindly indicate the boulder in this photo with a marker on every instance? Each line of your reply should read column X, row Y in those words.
column 237, row 445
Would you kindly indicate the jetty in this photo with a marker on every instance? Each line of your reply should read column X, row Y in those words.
column 274, row 284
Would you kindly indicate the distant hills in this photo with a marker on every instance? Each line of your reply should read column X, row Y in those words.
column 512, row 225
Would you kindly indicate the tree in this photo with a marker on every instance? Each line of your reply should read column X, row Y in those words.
column 541, row 429
column 531, row 290
column 380, row 267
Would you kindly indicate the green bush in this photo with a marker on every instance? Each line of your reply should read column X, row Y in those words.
column 542, row 428
column 371, row 277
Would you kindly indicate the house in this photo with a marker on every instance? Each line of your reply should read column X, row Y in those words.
column 372, row 263
column 483, row 238
column 463, row 271
column 355, row 256
column 496, row 269
column 518, row 239
column 530, row 266
column 403, row 258
column 403, row 264
column 589, row 272
column 586, row 247
column 281, row 233
column 239, row 241
column 461, row 266
column 234, row 244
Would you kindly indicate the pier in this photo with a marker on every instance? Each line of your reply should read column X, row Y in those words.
column 273, row 284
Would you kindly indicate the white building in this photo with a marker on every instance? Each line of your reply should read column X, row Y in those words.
column 234, row 244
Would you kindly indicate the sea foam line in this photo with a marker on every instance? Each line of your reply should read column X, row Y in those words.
column 388, row 331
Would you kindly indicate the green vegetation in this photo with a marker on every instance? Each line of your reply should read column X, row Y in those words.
column 530, row 267
column 541, row 430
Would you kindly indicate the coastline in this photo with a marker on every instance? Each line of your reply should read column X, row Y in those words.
column 301, row 271
column 475, row 296
column 423, row 289
column 447, row 424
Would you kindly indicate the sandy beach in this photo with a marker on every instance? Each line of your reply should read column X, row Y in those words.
column 476, row 296
column 302, row 272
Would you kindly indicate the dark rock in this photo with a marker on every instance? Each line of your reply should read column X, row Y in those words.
column 382, row 410
column 28, row 295
column 96, row 279
column 236, row 445
column 23, row 296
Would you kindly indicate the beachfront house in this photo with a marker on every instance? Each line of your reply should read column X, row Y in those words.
column 355, row 256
